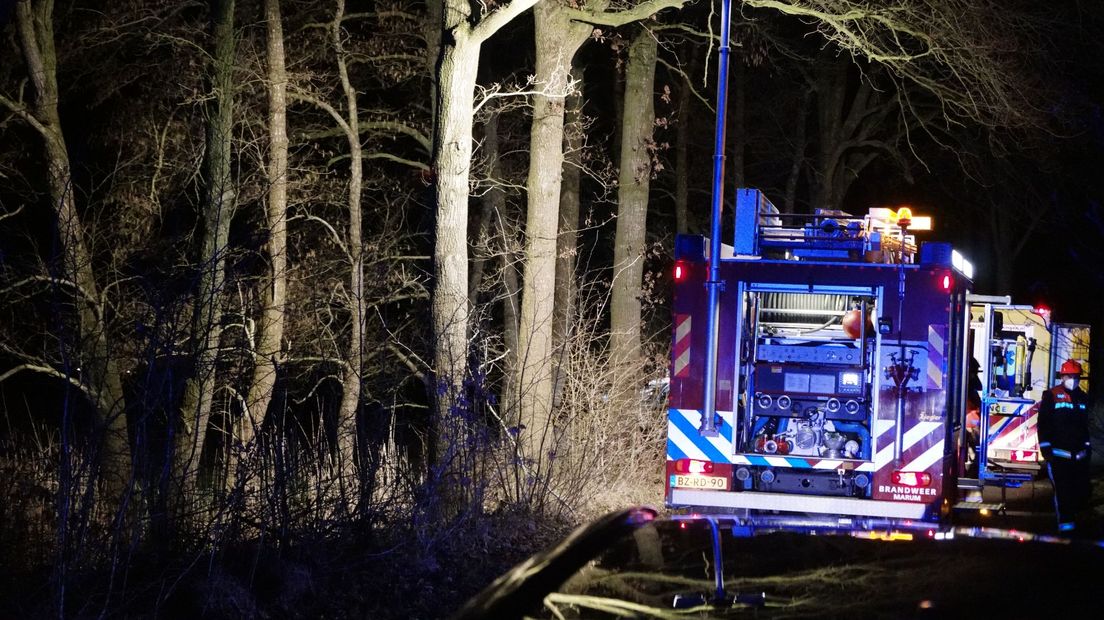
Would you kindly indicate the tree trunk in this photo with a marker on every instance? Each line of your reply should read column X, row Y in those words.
column 354, row 357
column 634, row 181
column 797, row 161
column 848, row 133
column 831, row 85
column 218, row 210
column 432, row 32
column 682, row 161
column 452, row 150
column 493, row 200
column 567, row 240
column 452, row 159
column 270, row 330
column 511, row 313
column 98, row 368
column 557, row 40
column 739, row 122
column 1003, row 248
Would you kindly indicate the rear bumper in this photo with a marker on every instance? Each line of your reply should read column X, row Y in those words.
column 753, row 500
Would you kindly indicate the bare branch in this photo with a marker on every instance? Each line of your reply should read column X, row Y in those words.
column 21, row 111
column 623, row 17
column 50, row 371
column 333, row 232
column 55, row 281
column 11, row 214
column 963, row 52
column 491, row 23
column 329, row 109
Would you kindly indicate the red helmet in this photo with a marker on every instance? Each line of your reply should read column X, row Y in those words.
column 1070, row 367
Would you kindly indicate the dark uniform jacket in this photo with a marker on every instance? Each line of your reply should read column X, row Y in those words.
column 1064, row 423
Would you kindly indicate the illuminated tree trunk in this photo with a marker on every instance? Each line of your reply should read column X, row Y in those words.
column 557, row 40
column 456, row 74
column 452, row 165
column 634, row 182
column 354, row 357
column 270, row 329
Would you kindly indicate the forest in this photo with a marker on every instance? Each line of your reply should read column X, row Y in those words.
column 341, row 308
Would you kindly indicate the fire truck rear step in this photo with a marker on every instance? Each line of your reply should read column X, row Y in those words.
column 799, row 503
column 994, row 507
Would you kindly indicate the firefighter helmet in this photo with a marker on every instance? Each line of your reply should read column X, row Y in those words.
column 1070, row 367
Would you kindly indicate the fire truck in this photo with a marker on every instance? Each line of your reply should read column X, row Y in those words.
column 1016, row 350
column 819, row 368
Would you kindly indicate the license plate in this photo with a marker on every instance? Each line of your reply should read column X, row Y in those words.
column 715, row 483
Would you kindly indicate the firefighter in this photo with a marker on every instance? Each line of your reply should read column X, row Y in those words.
column 1064, row 441
column 973, row 417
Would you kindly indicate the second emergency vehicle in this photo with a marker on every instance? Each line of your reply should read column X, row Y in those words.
column 1016, row 351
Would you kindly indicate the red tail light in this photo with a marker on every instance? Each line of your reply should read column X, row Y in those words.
column 947, row 282
column 690, row 466
column 680, row 271
column 911, row 478
column 1023, row 456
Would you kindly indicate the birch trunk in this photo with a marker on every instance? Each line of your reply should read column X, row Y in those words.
column 270, row 330
column 354, row 357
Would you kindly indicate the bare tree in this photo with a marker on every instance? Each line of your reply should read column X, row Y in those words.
column 970, row 55
column 463, row 38
column 217, row 212
column 93, row 369
column 634, row 183
column 268, row 347
column 567, row 240
column 560, row 31
column 854, row 125
column 557, row 40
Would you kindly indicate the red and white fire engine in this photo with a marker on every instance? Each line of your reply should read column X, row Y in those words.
column 821, row 367
column 838, row 382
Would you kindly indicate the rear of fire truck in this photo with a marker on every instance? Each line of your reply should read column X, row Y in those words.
column 840, row 371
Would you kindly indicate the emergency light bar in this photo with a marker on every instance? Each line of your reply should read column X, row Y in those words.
column 959, row 262
column 886, row 219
